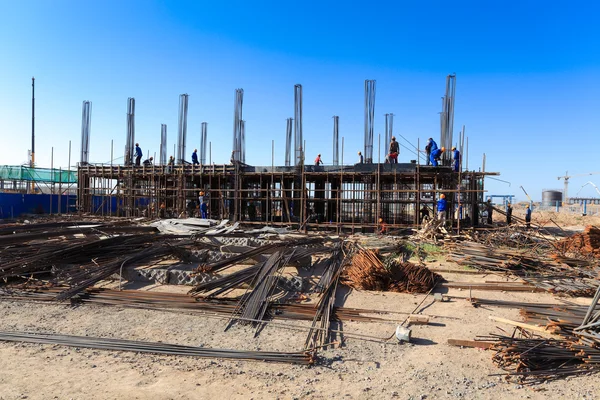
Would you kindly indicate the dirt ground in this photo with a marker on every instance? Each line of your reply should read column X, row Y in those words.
column 426, row 368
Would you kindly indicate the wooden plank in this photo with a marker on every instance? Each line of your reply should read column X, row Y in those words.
column 470, row 343
column 523, row 325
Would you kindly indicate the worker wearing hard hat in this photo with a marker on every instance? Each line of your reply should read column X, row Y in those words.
column 436, row 155
column 441, row 208
column 455, row 159
column 382, row 227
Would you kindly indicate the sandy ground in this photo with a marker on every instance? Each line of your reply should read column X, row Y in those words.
column 426, row 368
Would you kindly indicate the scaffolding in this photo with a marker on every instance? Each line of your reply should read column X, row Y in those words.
column 347, row 198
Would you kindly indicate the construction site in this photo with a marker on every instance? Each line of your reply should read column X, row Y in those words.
column 373, row 279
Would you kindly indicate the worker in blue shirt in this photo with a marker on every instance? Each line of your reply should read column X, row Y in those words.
column 138, row 154
column 204, row 210
column 455, row 159
column 441, row 208
column 436, row 155
column 195, row 157
column 528, row 216
column 431, row 146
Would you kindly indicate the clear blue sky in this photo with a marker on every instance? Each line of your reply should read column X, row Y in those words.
column 528, row 77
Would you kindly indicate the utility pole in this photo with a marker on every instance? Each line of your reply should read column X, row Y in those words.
column 32, row 161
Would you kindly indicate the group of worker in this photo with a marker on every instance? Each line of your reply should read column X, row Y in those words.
column 509, row 211
column 138, row 157
column 434, row 154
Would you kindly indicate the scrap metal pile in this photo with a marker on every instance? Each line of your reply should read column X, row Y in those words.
column 533, row 265
column 572, row 349
column 369, row 272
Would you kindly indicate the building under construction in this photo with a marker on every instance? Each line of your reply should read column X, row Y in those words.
column 350, row 197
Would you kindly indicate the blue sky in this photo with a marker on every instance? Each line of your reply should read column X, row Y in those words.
column 527, row 78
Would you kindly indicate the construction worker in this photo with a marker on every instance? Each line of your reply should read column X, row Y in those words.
column 394, row 151
column 455, row 159
column 148, row 162
column 528, row 216
column 436, row 155
column 508, row 214
column 360, row 158
column 490, row 211
column 138, row 154
column 318, row 161
column 195, row 157
column 204, row 210
column 424, row 214
column 382, row 227
column 171, row 164
column 232, row 158
column 441, row 208
column 431, row 146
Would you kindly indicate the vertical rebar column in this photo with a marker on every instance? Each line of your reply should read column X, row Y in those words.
column 86, row 125
column 447, row 117
column 243, row 141
column 130, row 136
column 163, row 144
column 237, row 124
column 182, row 134
column 389, row 131
column 298, row 141
column 288, row 142
column 336, row 145
column 369, row 119
column 203, row 137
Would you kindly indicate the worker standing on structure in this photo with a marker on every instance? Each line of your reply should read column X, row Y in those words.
column 204, row 210
column 490, row 211
column 508, row 214
column 360, row 158
column 195, row 157
column 441, row 208
column 431, row 146
column 455, row 159
column 138, row 154
column 528, row 216
column 318, row 161
column 148, row 162
column 436, row 155
column 424, row 214
column 394, row 151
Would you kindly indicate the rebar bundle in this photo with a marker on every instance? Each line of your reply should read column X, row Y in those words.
column 389, row 131
column 156, row 347
column 86, row 126
column 336, row 144
column 447, row 116
column 298, row 140
column 163, row 144
column 368, row 272
column 238, row 140
column 182, row 127
column 288, row 142
column 203, row 142
column 130, row 135
column 369, row 119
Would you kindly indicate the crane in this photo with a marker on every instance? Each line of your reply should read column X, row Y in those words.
column 566, row 178
column 590, row 183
